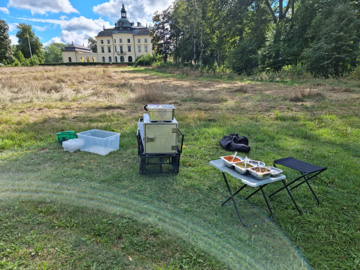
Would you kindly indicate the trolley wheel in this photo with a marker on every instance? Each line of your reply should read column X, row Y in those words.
column 140, row 145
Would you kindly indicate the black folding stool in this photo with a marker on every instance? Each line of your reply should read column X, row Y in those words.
column 307, row 171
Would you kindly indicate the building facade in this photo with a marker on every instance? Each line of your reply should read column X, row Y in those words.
column 122, row 44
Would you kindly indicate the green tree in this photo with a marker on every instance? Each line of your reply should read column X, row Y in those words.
column 20, row 57
column 5, row 42
column 335, row 35
column 52, row 53
column 162, row 36
column 92, row 44
column 281, row 13
column 25, row 36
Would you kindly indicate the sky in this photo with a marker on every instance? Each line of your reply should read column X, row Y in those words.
column 75, row 21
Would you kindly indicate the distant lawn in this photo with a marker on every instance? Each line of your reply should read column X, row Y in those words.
column 84, row 211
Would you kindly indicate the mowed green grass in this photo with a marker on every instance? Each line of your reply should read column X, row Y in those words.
column 83, row 211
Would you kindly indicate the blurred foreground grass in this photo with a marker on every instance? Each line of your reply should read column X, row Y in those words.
column 83, row 202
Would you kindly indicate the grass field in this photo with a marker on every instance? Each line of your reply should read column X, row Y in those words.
column 83, row 211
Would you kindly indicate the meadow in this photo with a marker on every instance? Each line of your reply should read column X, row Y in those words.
column 62, row 210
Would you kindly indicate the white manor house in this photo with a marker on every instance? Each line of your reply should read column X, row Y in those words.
column 122, row 44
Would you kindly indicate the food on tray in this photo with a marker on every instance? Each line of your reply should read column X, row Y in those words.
column 229, row 161
column 232, row 159
column 261, row 170
column 242, row 167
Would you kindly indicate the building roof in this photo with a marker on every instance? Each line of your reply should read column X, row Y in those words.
column 138, row 31
column 123, row 25
column 76, row 48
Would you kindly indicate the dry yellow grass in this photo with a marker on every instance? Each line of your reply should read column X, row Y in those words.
column 79, row 87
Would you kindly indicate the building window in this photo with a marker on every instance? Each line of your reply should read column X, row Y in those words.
column 114, row 40
column 115, row 48
column 121, row 49
column 110, row 59
column 128, row 40
column 130, row 59
column 120, row 40
column 108, row 41
column 145, row 40
column 102, row 49
column 129, row 48
column 70, row 60
column 116, row 59
column 109, row 49
column 102, row 41
column 103, row 58
column 122, row 59
column 146, row 49
column 139, row 40
column 139, row 48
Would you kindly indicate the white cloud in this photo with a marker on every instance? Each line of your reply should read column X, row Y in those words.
column 76, row 30
column 43, row 6
column 12, row 26
column 14, row 40
column 137, row 10
column 40, row 28
column 53, row 40
column 4, row 10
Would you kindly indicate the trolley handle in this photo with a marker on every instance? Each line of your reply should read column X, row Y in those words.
column 182, row 141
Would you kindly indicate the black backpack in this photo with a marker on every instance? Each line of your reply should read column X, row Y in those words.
column 233, row 142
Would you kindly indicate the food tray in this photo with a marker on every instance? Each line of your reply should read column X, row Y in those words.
column 254, row 171
column 160, row 112
column 228, row 162
column 275, row 171
column 256, row 163
column 240, row 168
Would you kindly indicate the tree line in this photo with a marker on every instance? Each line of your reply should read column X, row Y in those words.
column 248, row 36
column 29, row 51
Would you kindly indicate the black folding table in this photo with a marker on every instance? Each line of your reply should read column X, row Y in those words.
column 247, row 180
column 307, row 171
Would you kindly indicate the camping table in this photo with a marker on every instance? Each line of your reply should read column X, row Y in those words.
column 247, row 180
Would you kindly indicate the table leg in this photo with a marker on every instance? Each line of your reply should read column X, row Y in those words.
column 232, row 197
column 292, row 198
column 228, row 199
column 268, row 205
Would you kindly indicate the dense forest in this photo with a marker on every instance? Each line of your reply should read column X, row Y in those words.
column 249, row 36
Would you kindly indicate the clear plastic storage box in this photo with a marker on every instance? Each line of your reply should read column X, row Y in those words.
column 99, row 141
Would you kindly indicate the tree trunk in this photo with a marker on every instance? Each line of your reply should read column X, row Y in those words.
column 201, row 43
column 194, row 36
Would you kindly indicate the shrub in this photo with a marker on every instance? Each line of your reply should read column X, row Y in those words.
column 34, row 60
column 146, row 60
column 355, row 74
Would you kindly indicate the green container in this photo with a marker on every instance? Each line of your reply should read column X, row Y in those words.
column 65, row 135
